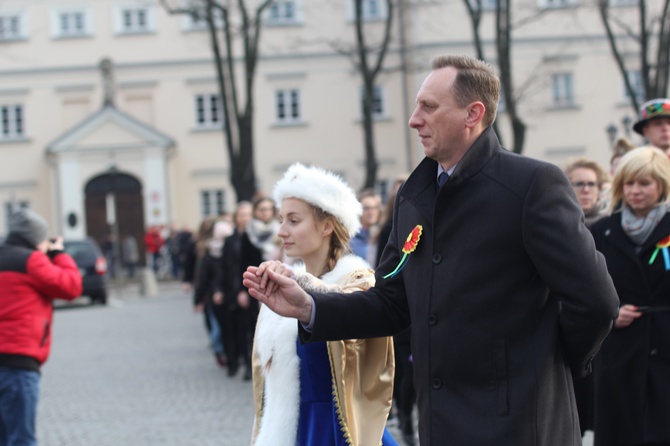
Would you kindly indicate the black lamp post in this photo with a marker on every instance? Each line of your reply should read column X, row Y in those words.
column 611, row 133
column 627, row 121
column 113, row 221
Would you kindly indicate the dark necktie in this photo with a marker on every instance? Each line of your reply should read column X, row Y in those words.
column 444, row 176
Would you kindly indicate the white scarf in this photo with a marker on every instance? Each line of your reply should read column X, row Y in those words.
column 263, row 236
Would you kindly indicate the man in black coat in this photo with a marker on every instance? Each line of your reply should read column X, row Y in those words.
column 505, row 293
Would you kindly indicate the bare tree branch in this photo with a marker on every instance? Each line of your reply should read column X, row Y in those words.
column 237, row 121
column 603, row 8
column 530, row 19
column 663, row 53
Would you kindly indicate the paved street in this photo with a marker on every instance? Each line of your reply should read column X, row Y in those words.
column 138, row 372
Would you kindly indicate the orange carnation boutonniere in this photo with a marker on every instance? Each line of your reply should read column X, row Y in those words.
column 407, row 249
column 662, row 246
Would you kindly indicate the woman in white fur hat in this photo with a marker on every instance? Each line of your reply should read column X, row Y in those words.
column 328, row 393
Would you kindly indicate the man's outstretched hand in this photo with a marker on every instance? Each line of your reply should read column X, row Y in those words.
column 269, row 284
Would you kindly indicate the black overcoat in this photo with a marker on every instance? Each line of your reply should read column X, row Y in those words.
column 505, row 293
column 632, row 370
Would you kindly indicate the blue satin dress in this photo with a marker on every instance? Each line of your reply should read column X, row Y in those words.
column 318, row 424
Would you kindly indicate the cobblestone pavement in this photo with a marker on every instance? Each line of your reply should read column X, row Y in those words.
column 139, row 372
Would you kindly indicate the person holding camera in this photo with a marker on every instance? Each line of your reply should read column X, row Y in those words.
column 33, row 272
column 632, row 389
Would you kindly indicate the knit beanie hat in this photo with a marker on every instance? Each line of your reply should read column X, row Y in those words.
column 29, row 225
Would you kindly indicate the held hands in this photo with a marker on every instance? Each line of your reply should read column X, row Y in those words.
column 627, row 314
column 217, row 298
column 272, row 283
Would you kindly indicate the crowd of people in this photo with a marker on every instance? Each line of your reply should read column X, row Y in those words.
column 529, row 279
column 581, row 291
column 212, row 268
column 511, row 301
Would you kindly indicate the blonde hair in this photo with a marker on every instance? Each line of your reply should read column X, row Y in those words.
column 641, row 163
column 240, row 205
column 476, row 80
column 622, row 146
column 339, row 240
column 586, row 163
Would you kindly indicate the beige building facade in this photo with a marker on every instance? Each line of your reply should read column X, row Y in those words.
column 149, row 129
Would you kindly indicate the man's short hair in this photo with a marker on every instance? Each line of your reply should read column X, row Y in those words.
column 476, row 81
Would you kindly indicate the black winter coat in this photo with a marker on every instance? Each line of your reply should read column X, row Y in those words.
column 238, row 254
column 505, row 293
column 632, row 370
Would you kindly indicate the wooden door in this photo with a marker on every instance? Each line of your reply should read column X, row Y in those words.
column 127, row 192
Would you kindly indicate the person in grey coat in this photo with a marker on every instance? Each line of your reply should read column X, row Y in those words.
column 131, row 254
column 491, row 264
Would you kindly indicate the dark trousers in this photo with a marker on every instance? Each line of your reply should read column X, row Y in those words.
column 235, row 329
column 404, row 395
column 584, row 396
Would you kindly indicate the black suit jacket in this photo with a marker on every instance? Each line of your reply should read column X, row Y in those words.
column 505, row 294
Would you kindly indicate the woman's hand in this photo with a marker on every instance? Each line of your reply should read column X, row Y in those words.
column 278, row 268
column 280, row 293
column 627, row 314
column 217, row 298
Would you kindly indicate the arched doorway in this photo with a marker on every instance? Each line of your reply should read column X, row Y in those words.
column 127, row 191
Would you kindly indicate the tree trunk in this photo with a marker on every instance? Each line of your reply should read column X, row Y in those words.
column 504, row 31
column 245, row 176
column 369, row 74
column 475, row 13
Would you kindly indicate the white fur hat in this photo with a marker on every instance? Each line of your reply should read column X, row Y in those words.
column 321, row 189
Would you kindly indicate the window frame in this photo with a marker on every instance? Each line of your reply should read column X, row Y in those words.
column 212, row 111
column 563, row 90
column 281, row 6
column 121, row 28
column 9, row 122
column 290, row 100
column 22, row 25
column 381, row 14
column 378, row 97
column 57, row 14
column 212, row 202
column 557, row 4
column 618, row 3
column 190, row 25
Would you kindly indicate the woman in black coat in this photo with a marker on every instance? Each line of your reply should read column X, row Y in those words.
column 632, row 370
column 236, row 315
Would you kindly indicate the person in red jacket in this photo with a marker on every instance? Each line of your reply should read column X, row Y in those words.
column 153, row 242
column 33, row 272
